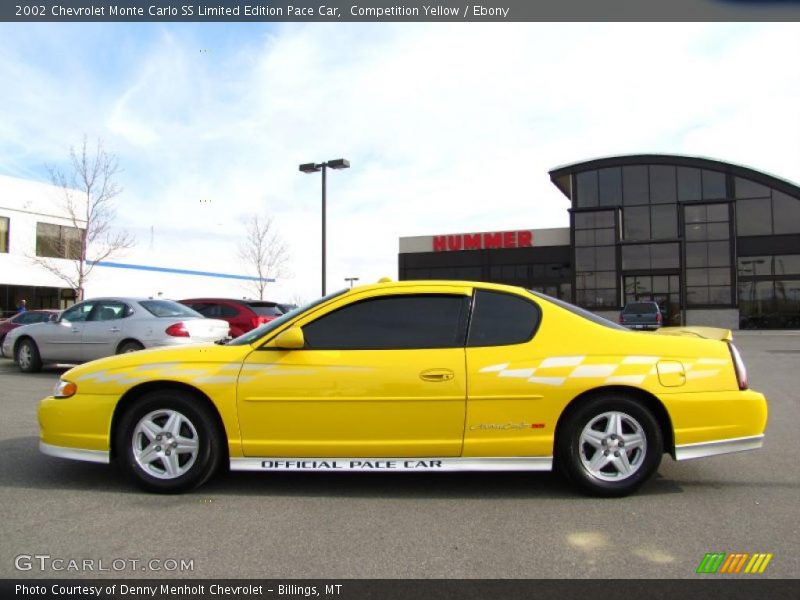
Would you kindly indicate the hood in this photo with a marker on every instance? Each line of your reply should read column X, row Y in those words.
column 188, row 354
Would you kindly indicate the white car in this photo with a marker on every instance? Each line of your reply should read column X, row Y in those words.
column 105, row 326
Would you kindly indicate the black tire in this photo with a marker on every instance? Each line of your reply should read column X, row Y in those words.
column 27, row 356
column 619, row 470
column 151, row 471
column 129, row 346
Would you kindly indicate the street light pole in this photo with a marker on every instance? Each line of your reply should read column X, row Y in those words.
column 339, row 163
column 324, row 227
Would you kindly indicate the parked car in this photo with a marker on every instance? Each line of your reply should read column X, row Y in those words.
column 27, row 318
column 106, row 326
column 414, row 376
column 641, row 315
column 242, row 315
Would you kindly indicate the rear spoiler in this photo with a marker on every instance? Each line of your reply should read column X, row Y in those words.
column 710, row 333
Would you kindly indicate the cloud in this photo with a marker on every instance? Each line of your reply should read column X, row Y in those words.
column 449, row 127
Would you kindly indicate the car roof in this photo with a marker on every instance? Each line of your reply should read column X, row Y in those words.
column 125, row 299
column 237, row 300
column 438, row 283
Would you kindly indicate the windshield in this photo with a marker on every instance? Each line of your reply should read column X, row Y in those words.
column 259, row 332
column 581, row 312
column 168, row 308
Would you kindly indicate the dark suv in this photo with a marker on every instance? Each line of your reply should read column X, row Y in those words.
column 641, row 315
column 243, row 315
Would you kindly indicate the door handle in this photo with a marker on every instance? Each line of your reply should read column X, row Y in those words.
column 114, row 329
column 437, row 375
column 76, row 331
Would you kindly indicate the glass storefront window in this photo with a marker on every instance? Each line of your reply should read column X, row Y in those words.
column 4, row 222
column 664, row 221
column 641, row 257
column 689, row 184
column 786, row 212
column 719, row 254
column 744, row 188
column 587, row 189
column 713, row 185
column 769, row 304
column 664, row 256
column 637, row 223
column 610, row 186
column 754, row 217
column 787, row 264
column 636, row 189
column 662, row 184
column 754, row 265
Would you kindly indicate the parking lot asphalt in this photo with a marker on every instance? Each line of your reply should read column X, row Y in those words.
column 516, row 525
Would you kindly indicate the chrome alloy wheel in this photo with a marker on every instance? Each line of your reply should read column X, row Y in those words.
column 25, row 356
column 165, row 444
column 612, row 446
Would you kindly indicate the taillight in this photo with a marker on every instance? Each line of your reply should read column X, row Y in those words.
column 621, row 319
column 659, row 318
column 259, row 321
column 177, row 330
column 738, row 365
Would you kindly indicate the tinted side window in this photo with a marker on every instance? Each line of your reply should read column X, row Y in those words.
column 393, row 322
column 108, row 311
column 78, row 313
column 501, row 319
column 227, row 312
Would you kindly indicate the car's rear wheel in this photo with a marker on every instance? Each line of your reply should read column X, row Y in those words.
column 169, row 442
column 28, row 358
column 129, row 346
column 609, row 445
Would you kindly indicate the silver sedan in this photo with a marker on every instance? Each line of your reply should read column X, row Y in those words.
column 105, row 326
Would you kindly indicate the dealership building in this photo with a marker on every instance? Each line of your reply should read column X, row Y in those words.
column 712, row 242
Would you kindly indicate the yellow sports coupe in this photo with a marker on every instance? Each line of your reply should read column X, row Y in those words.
column 415, row 376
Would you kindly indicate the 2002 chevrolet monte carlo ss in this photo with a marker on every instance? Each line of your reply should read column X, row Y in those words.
column 414, row 376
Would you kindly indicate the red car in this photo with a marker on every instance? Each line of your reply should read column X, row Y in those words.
column 27, row 318
column 243, row 315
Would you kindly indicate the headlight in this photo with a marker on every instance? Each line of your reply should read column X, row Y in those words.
column 64, row 389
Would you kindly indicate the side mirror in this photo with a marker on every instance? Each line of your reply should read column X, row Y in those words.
column 291, row 339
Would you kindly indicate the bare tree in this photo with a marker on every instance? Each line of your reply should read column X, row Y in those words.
column 88, row 193
column 263, row 252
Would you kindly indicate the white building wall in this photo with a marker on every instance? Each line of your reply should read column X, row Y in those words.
column 26, row 203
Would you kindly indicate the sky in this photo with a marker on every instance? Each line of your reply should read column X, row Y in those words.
column 448, row 127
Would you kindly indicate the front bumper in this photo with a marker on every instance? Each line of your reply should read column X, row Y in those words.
column 81, row 423
column 95, row 456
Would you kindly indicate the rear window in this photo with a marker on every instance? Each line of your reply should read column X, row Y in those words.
column 168, row 308
column 641, row 307
column 589, row 316
column 267, row 309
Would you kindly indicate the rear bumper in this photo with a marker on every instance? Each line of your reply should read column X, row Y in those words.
column 703, row 449
column 711, row 423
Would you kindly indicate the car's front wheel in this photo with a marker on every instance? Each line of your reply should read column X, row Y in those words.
column 28, row 358
column 610, row 445
column 169, row 442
